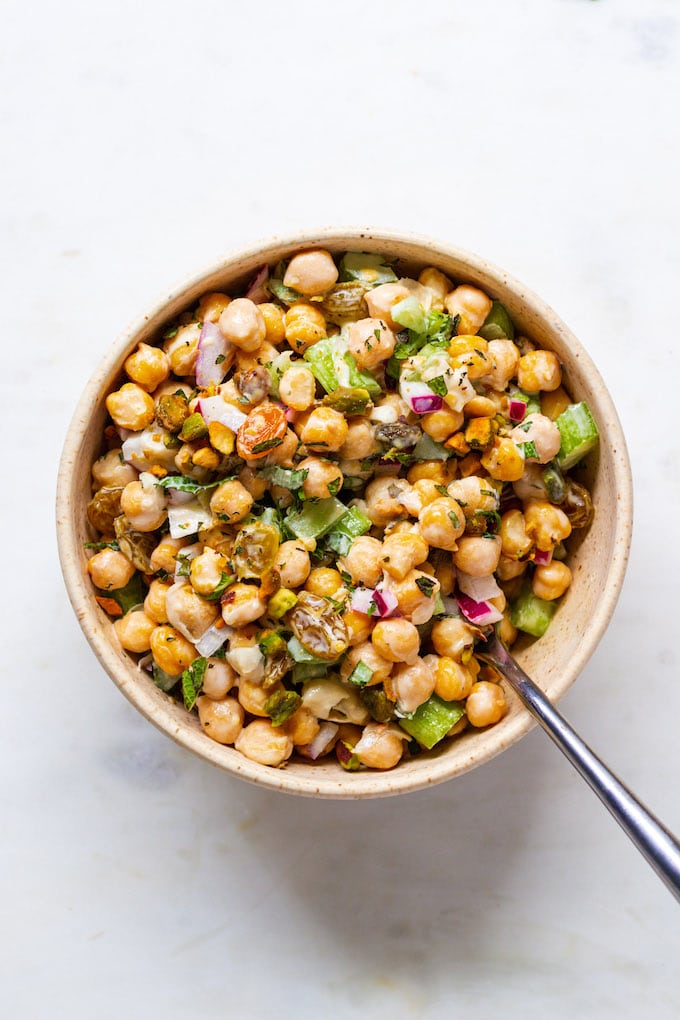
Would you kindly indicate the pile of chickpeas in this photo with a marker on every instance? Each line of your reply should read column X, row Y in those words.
column 424, row 514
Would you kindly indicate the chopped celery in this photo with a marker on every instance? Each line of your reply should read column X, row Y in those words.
column 304, row 671
column 532, row 400
column 427, row 449
column 300, row 653
column 359, row 379
column 554, row 482
column 578, row 432
column 350, row 526
column 531, row 614
column 360, row 675
column 285, row 478
column 367, row 268
column 279, row 604
column 321, row 357
column 432, row 721
column 498, row 324
column 315, row 518
column 276, row 368
column 410, row 313
column 270, row 515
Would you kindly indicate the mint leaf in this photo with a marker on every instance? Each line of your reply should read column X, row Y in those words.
column 192, row 681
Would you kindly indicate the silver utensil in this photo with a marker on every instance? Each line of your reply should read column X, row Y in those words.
column 653, row 840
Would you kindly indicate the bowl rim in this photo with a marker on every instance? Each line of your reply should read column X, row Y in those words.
column 374, row 784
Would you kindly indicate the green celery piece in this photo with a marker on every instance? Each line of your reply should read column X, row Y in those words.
column 369, row 269
column 578, row 432
column 410, row 313
column 300, row 653
column 320, row 359
column 315, row 519
column 427, row 449
column 286, row 478
column 304, row 671
column 350, row 526
column 531, row 614
column 359, row 379
column 498, row 325
column 276, row 368
column 532, row 400
column 360, row 675
column 433, row 720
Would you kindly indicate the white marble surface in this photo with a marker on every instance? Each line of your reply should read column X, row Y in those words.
column 141, row 140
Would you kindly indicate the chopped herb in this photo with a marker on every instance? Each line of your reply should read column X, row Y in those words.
column 438, row 386
column 285, row 478
column 192, row 681
column 103, row 545
column 442, row 490
column 267, row 444
column 185, row 484
column 528, row 449
column 334, row 486
column 218, row 592
column 426, row 585
column 170, row 333
column 455, row 520
column 219, row 359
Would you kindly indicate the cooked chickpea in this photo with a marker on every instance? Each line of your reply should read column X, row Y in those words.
column 284, row 453
column 396, row 640
column 551, row 580
column 324, row 478
column 426, row 491
column 441, row 472
column 219, row 679
column 252, row 696
column 473, row 493
column 253, row 482
column 381, row 300
column 445, row 573
column 248, row 361
column 358, row 626
column 182, row 349
column 390, row 408
column 503, row 460
column 543, row 433
column 324, row 429
column 402, row 552
column 311, row 272
column 515, row 543
column 367, row 653
column 211, row 306
column 154, row 603
column 164, row 555
column 363, row 562
column 412, row 684
column 503, row 357
column 110, row 569
column 507, row 630
column 471, row 304
column 171, row 650
column 438, row 284
column 470, row 352
column 509, row 568
column 441, row 523
column 414, row 603
column 304, row 325
column 205, row 572
column 264, row 743
column 380, row 746
column 292, row 563
column 111, row 471
column 148, row 366
column 477, row 555
column 297, row 387
column 554, row 403
column 134, row 631
column 370, row 342
column 382, row 499
column 453, row 681
column 242, row 323
column 131, row 407
column 302, row 727
column 222, row 720
column 143, row 503
column 273, row 322
column 531, row 485
column 486, row 704
column 187, row 612
column 539, row 370
column 242, row 603
column 453, row 637
column 442, row 424
column 232, row 501
column 360, row 441
column 546, row 524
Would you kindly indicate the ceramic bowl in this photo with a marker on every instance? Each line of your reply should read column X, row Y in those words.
column 597, row 558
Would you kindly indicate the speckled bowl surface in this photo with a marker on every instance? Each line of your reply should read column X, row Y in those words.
column 597, row 558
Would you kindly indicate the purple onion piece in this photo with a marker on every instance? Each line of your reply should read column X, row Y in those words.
column 257, row 288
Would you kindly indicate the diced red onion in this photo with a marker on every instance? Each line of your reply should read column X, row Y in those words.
column 425, row 404
column 385, row 601
column 217, row 409
column 323, row 740
column 542, row 559
column 374, row 602
column 480, row 613
column 479, row 589
column 212, row 360
column 212, row 639
column 257, row 288
column 517, row 409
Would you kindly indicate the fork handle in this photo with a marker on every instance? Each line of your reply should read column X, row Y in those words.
column 654, row 841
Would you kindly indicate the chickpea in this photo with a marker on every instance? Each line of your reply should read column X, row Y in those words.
column 413, row 603
column 470, row 352
column 473, row 493
column 171, row 650
column 323, row 581
column 111, row 471
column 363, row 562
column 304, row 325
column 360, row 442
column 507, row 630
column 252, row 696
column 187, row 612
column 503, row 357
column 211, row 306
column 471, row 304
column 390, row 408
column 367, row 653
column 242, row 604
column 412, row 684
column 396, row 640
column 222, row 720
column 503, row 460
column 311, row 272
column 441, row 523
column 110, row 569
column 370, row 342
column 253, row 482
column 134, row 631
column 324, row 478
column 515, row 543
column 531, row 484
column 242, row 323
column 453, row 681
column 381, row 300
column 297, row 387
column 427, row 491
column 486, row 704
column 284, row 453
column 358, row 626
column 302, row 727
column 231, row 394
column 232, row 501
column 438, row 284
column 554, row 403
column 219, row 679
column 182, row 349
column 154, row 603
column 551, row 580
column 382, row 502
column 445, row 573
column 325, row 428
column 264, row 743
column 165, row 554
column 539, row 370
column 442, row 424
column 380, row 746
column 441, row 472
column 508, row 568
column 546, row 524
column 205, row 572
column 477, row 555
column 184, row 462
column 453, row 637
column 402, row 552
column 131, row 407
column 143, row 503
column 148, row 366
column 543, row 433
column 273, row 321
column 292, row 563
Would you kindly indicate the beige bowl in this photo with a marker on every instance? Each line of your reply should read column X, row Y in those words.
column 597, row 558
